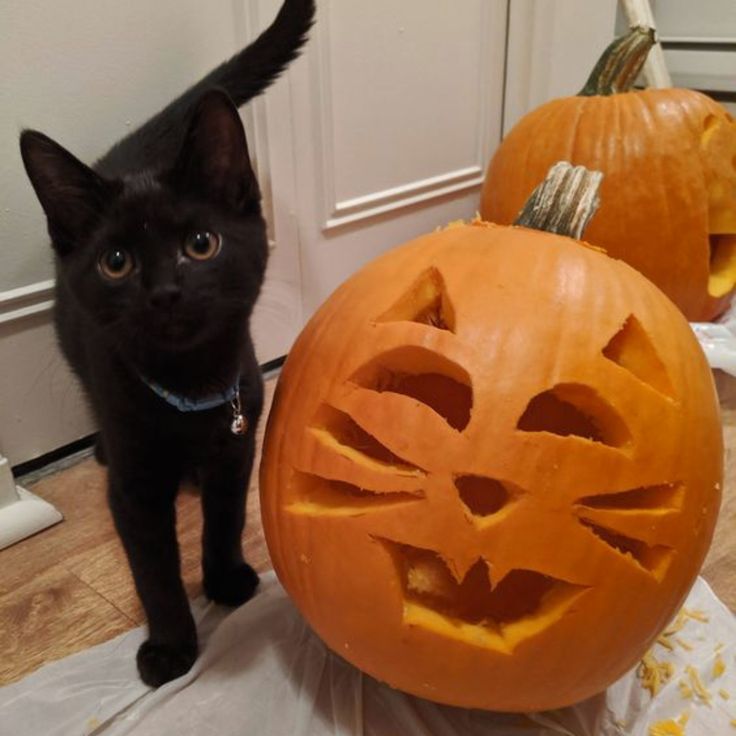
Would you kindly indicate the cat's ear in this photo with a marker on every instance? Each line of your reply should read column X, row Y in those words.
column 72, row 195
column 213, row 161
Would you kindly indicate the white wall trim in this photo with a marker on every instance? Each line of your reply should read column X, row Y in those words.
column 700, row 40
column 320, row 73
column 25, row 301
column 378, row 203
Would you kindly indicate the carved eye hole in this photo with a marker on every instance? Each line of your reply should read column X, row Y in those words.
column 421, row 374
column 632, row 349
column 202, row 245
column 426, row 302
column 575, row 409
column 116, row 264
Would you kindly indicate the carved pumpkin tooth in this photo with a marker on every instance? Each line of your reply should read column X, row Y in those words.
column 425, row 302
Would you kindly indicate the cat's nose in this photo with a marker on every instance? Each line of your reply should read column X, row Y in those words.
column 164, row 296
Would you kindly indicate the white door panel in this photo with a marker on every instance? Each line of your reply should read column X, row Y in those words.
column 402, row 92
column 394, row 117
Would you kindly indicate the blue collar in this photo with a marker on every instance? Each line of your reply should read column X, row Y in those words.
column 182, row 403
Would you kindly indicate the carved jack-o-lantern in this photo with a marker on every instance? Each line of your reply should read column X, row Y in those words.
column 492, row 468
column 669, row 160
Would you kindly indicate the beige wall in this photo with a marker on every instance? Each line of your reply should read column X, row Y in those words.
column 85, row 72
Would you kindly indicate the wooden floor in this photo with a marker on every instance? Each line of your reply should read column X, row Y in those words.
column 69, row 588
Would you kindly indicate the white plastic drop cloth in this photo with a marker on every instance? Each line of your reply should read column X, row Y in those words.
column 718, row 340
column 262, row 672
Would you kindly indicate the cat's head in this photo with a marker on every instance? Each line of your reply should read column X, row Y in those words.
column 163, row 259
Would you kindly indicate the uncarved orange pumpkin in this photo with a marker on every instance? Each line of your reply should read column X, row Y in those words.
column 492, row 468
column 669, row 162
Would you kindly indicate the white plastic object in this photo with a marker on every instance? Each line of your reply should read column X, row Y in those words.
column 21, row 512
column 639, row 13
column 718, row 340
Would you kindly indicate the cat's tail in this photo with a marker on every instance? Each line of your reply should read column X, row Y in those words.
column 243, row 77
column 249, row 72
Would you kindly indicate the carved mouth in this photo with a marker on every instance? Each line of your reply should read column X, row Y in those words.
column 718, row 142
column 521, row 605
column 722, row 277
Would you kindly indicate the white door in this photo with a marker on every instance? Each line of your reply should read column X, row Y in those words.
column 394, row 112
column 552, row 48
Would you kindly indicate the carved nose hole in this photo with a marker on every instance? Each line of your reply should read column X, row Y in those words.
column 482, row 496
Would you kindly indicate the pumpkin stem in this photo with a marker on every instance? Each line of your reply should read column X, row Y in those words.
column 620, row 63
column 564, row 202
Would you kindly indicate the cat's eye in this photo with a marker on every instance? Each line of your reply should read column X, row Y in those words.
column 116, row 263
column 202, row 245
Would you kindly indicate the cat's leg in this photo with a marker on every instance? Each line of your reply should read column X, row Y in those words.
column 142, row 505
column 228, row 579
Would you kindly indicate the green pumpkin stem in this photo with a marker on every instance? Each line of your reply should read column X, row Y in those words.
column 564, row 202
column 620, row 63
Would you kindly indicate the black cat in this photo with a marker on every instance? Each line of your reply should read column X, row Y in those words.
column 160, row 254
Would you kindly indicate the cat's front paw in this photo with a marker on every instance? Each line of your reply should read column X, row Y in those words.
column 160, row 663
column 231, row 587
